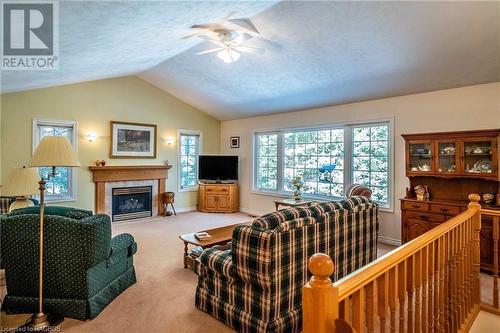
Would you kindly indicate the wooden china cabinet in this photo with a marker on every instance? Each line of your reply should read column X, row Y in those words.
column 452, row 165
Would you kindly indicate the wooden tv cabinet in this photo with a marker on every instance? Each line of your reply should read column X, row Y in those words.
column 218, row 198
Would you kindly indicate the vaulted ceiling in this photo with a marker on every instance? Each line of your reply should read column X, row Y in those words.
column 317, row 53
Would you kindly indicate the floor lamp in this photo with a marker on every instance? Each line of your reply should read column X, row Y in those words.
column 21, row 183
column 52, row 151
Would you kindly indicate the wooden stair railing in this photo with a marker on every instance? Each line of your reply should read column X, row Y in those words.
column 431, row 284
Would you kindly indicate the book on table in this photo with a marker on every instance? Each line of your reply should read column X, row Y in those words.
column 202, row 236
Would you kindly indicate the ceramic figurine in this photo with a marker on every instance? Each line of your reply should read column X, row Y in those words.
column 298, row 183
column 420, row 192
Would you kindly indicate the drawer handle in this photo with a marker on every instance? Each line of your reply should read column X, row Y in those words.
column 445, row 209
column 209, row 190
column 224, row 190
column 424, row 217
column 415, row 206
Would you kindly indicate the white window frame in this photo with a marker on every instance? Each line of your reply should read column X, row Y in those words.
column 74, row 142
column 180, row 133
column 348, row 158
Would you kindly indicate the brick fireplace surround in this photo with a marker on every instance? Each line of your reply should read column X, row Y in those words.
column 108, row 177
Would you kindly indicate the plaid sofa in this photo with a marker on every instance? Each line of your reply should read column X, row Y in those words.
column 256, row 286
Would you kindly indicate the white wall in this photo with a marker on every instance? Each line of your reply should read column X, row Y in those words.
column 474, row 107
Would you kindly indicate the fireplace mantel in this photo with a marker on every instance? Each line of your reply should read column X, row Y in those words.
column 116, row 173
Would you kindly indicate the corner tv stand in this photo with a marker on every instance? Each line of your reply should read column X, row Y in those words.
column 218, row 198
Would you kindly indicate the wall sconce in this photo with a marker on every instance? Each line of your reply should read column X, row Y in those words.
column 170, row 140
column 91, row 137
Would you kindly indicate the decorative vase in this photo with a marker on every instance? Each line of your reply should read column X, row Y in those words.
column 298, row 183
column 103, row 162
column 97, row 162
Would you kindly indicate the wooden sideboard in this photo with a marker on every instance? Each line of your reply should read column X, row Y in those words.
column 218, row 198
column 452, row 165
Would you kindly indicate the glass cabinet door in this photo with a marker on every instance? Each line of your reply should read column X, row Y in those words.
column 478, row 156
column 447, row 157
column 420, row 157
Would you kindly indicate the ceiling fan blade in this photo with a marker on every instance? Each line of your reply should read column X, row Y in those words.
column 204, row 26
column 246, row 24
column 229, row 15
column 192, row 35
column 249, row 49
column 242, row 38
column 210, row 51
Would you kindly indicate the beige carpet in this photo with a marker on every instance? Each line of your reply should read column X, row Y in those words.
column 163, row 298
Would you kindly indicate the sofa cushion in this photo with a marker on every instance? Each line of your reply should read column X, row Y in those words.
column 274, row 219
column 354, row 201
column 323, row 207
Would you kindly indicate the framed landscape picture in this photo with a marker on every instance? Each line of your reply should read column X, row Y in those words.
column 132, row 140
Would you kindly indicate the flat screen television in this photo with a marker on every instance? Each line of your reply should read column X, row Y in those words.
column 218, row 168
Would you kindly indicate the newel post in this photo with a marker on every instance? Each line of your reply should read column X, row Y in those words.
column 476, row 222
column 320, row 305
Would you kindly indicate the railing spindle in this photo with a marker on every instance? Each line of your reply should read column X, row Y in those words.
column 430, row 306
column 442, row 295
column 402, row 294
column 358, row 311
column 382, row 300
column 418, row 278
column 393, row 283
column 425, row 274
column 409, row 289
column 495, row 260
column 370, row 313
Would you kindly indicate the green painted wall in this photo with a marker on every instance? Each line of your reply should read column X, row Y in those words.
column 94, row 104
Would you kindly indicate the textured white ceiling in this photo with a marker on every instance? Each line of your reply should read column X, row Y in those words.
column 103, row 39
column 318, row 53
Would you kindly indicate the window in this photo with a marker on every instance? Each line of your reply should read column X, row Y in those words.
column 62, row 187
column 370, row 160
column 189, row 150
column 267, row 163
column 328, row 159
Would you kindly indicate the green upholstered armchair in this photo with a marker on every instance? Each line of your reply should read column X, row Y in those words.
column 84, row 268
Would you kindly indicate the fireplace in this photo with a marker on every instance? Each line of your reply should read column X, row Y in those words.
column 132, row 202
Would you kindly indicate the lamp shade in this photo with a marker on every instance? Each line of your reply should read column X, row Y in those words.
column 21, row 182
column 54, row 151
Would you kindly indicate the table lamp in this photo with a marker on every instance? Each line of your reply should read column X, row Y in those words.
column 21, row 183
column 52, row 151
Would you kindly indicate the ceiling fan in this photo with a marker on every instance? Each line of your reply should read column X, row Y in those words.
column 228, row 35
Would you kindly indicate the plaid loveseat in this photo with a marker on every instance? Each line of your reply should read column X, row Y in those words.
column 257, row 285
column 84, row 268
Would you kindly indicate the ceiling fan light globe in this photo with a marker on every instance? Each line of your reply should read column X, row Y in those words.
column 228, row 56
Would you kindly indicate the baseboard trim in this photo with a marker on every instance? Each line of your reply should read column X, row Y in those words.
column 252, row 212
column 389, row 241
column 186, row 209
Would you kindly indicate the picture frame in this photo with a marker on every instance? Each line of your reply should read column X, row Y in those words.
column 132, row 140
column 234, row 142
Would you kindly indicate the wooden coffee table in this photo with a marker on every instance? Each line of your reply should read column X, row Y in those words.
column 220, row 236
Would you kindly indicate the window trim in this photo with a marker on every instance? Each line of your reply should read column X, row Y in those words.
column 35, row 140
column 348, row 165
column 181, row 132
